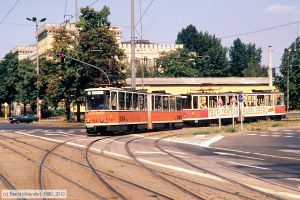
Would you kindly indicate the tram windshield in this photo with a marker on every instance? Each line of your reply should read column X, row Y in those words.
column 98, row 100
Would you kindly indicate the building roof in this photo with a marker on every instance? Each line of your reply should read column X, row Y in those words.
column 202, row 81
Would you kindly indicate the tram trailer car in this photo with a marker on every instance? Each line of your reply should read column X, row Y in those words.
column 111, row 110
column 206, row 108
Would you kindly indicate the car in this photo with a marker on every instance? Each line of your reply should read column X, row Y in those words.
column 24, row 118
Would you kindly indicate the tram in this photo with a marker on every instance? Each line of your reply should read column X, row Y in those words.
column 203, row 108
column 110, row 110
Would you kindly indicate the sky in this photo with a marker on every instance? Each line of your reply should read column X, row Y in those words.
column 165, row 18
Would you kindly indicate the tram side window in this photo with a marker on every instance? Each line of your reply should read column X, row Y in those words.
column 251, row 100
column 100, row 100
column 172, row 103
column 158, row 103
column 128, row 101
column 146, row 102
column 135, row 102
column 195, row 102
column 141, row 102
column 166, row 103
column 213, row 101
column 153, row 102
column 114, row 100
column 203, row 102
column 121, row 100
column 260, row 100
column 179, row 103
column 269, row 101
column 278, row 99
column 186, row 102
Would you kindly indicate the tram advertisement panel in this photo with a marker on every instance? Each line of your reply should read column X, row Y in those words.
column 259, row 110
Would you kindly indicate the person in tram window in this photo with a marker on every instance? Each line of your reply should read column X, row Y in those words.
column 233, row 101
column 220, row 102
column 279, row 101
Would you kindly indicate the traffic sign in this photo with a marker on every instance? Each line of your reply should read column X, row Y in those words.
column 241, row 98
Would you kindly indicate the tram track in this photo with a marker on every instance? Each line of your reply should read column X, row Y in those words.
column 124, row 181
column 157, row 175
column 156, row 171
column 209, row 172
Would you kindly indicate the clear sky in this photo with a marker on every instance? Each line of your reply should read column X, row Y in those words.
column 165, row 18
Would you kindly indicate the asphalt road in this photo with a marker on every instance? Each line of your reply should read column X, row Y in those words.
column 272, row 156
column 269, row 155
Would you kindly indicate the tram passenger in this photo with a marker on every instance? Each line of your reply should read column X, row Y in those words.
column 279, row 101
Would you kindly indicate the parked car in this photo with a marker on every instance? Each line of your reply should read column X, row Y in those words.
column 24, row 118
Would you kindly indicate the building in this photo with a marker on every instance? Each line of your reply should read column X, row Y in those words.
column 24, row 52
column 203, row 84
column 147, row 52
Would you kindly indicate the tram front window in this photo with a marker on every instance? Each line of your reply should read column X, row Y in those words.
column 97, row 100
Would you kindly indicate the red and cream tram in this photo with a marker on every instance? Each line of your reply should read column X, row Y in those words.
column 119, row 110
column 201, row 108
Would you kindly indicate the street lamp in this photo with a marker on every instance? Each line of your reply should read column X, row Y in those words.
column 36, row 21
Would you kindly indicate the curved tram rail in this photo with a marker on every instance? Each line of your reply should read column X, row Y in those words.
column 153, row 172
column 156, row 143
column 123, row 181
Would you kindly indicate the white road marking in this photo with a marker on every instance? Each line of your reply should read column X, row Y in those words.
column 230, row 154
column 90, row 139
column 209, row 142
column 55, row 134
column 285, row 194
column 180, row 156
column 289, row 133
column 251, row 134
column 260, row 154
column 187, row 171
column 290, row 151
column 251, row 166
column 276, row 135
column 293, row 179
column 62, row 132
column 287, row 136
column 274, row 192
column 149, row 152
column 176, row 152
column 114, row 141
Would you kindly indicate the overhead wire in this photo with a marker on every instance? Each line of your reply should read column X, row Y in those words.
column 149, row 5
column 10, row 10
column 66, row 3
column 261, row 30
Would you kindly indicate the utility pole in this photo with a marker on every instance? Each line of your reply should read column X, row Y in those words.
column 287, row 53
column 270, row 75
column 133, row 83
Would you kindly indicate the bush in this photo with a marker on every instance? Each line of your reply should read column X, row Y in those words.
column 231, row 129
column 276, row 124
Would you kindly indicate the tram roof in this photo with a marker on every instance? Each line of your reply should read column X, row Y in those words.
column 202, row 81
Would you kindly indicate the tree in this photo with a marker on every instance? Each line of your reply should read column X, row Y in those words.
column 205, row 45
column 291, row 60
column 60, row 77
column 98, row 46
column 243, row 56
column 254, row 70
column 177, row 63
column 26, row 86
column 9, row 76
